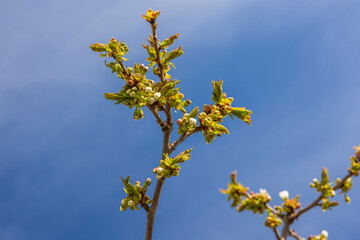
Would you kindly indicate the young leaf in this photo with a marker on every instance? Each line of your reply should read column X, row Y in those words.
column 241, row 113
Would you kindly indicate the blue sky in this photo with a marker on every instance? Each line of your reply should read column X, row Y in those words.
column 63, row 147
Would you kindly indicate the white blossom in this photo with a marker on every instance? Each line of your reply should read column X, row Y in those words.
column 123, row 202
column 151, row 100
column 148, row 180
column 131, row 203
column 324, row 233
column 148, row 89
column 284, row 194
column 332, row 193
column 192, row 121
column 157, row 95
column 315, row 180
column 263, row 191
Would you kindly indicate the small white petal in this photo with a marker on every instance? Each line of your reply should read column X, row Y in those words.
column 324, row 233
column 148, row 89
column 333, row 193
column 157, row 95
column 315, row 180
column 148, row 180
column 284, row 194
column 262, row 191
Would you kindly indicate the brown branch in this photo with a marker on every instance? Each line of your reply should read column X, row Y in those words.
column 152, row 211
column 155, row 45
column 286, row 228
column 124, row 69
column 295, row 235
column 277, row 234
column 161, row 123
column 144, row 205
column 316, row 202
column 160, row 182
column 182, row 138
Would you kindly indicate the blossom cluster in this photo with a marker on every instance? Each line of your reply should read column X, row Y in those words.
column 170, row 166
column 213, row 115
column 136, row 194
column 322, row 236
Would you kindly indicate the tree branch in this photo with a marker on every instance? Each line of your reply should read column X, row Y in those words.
column 155, row 45
column 316, row 202
column 182, row 138
column 295, row 235
column 277, row 234
column 161, row 123
column 286, row 228
column 152, row 211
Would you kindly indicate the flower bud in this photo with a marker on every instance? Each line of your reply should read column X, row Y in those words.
column 148, row 181
column 122, row 208
column 192, row 121
column 160, row 170
column 157, row 95
column 315, row 180
column 332, row 193
column 158, row 176
column 179, row 122
column 123, row 202
column 134, row 88
column 148, row 89
column 131, row 203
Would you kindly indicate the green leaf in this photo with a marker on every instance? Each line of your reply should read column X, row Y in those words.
column 98, row 47
column 114, row 97
column 194, row 112
column 173, row 54
column 241, row 113
column 168, row 42
column 217, row 92
column 171, row 64
column 222, row 129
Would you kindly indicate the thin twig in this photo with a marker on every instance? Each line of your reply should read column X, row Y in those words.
column 316, row 202
column 157, row 50
column 295, row 235
column 182, row 138
column 161, row 123
column 286, row 228
column 277, row 234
